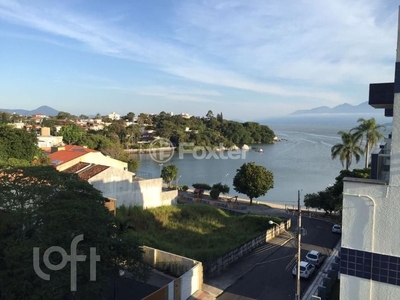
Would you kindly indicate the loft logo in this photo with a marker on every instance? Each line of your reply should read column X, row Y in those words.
column 73, row 258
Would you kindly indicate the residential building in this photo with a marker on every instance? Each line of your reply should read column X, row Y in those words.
column 370, row 249
column 18, row 125
column 46, row 140
column 114, row 116
column 124, row 186
column 64, row 157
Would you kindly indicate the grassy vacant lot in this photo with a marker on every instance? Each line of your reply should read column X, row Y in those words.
column 199, row 232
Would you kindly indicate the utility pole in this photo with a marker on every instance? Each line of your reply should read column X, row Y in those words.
column 298, row 248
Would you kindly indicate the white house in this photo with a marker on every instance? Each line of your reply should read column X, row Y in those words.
column 114, row 116
column 124, row 186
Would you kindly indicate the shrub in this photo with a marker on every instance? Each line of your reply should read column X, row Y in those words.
column 214, row 193
column 223, row 188
column 202, row 186
column 185, row 188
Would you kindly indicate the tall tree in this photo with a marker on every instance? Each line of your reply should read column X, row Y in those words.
column 253, row 180
column 18, row 144
column 72, row 133
column 349, row 147
column 371, row 131
column 210, row 114
column 169, row 173
column 41, row 208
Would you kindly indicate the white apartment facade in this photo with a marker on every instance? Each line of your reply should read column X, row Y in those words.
column 370, row 249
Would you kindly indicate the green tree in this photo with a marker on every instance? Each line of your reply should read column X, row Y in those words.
column 371, row 131
column 331, row 198
column 169, row 173
column 116, row 152
column 222, row 188
column 42, row 207
column 130, row 116
column 62, row 115
column 253, row 180
column 323, row 200
column 202, row 186
column 5, row 118
column 18, row 144
column 71, row 134
column 118, row 128
column 95, row 141
column 210, row 114
column 214, row 194
column 347, row 149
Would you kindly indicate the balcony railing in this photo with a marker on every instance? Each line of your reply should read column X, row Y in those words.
column 380, row 163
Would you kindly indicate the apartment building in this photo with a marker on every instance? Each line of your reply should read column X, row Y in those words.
column 370, row 249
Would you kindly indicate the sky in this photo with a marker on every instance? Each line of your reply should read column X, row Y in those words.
column 247, row 59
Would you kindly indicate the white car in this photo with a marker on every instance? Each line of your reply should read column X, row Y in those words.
column 337, row 228
column 314, row 257
column 306, row 270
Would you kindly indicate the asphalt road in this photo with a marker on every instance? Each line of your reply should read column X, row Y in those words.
column 272, row 278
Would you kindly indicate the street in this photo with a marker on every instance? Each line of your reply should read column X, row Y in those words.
column 272, row 278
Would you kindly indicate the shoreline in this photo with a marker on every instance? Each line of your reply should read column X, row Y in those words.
column 255, row 201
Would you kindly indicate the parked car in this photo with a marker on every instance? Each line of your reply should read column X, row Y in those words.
column 306, row 270
column 337, row 228
column 314, row 257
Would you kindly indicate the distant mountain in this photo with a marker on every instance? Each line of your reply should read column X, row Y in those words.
column 340, row 109
column 43, row 110
column 344, row 114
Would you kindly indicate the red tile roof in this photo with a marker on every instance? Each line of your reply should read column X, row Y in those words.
column 77, row 167
column 92, row 171
column 71, row 152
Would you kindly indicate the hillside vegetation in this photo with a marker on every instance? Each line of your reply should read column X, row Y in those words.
column 199, row 232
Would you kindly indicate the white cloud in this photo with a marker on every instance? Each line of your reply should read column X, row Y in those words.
column 297, row 51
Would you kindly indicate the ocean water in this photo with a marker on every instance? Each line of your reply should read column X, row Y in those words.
column 300, row 161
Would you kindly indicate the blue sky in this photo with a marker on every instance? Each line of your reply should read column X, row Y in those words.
column 248, row 59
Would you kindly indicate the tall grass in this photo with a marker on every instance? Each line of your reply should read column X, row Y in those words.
column 199, row 232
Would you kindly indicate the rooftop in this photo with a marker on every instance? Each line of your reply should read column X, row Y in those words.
column 77, row 167
column 70, row 152
column 92, row 171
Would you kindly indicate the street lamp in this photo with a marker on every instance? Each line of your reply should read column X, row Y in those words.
column 274, row 223
column 226, row 178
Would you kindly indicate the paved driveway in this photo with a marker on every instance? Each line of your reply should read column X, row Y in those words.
column 271, row 278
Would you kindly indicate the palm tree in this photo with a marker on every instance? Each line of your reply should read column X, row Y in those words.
column 370, row 129
column 350, row 147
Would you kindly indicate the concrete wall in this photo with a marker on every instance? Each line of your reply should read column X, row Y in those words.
column 190, row 279
column 169, row 197
column 120, row 184
column 215, row 267
column 50, row 141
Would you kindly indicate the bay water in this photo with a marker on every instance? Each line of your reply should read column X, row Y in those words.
column 300, row 161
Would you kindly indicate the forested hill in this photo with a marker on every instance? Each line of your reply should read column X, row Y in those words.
column 210, row 130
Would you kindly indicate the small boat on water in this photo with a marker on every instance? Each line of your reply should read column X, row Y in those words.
column 260, row 150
